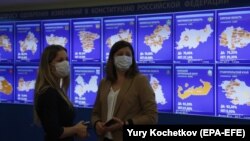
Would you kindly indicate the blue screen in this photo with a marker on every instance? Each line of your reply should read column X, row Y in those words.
column 84, row 84
column 154, row 42
column 115, row 29
column 25, row 80
column 194, row 37
column 57, row 32
column 194, row 90
column 86, row 40
column 28, row 42
column 233, row 91
column 160, row 79
column 7, row 43
column 6, row 83
column 233, row 41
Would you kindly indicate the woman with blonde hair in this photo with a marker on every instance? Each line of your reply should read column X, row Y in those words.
column 52, row 108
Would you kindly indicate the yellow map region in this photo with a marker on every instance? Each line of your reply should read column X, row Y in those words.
column 5, row 87
column 5, row 43
column 198, row 91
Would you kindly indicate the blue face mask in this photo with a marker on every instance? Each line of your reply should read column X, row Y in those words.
column 123, row 63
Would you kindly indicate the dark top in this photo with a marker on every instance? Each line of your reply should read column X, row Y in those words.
column 54, row 114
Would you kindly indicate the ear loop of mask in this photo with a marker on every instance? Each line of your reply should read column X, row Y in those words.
column 61, row 82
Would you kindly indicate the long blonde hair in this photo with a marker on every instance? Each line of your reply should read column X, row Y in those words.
column 46, row 78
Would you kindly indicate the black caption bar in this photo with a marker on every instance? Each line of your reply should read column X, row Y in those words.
column 196, row 132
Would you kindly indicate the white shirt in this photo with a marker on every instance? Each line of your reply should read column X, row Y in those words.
column 112, row 96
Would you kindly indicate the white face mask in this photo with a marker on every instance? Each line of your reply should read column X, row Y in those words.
column 62, row 69
column 123, row 62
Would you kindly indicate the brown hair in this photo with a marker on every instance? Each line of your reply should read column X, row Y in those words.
column 110, row 68
column 46, row 78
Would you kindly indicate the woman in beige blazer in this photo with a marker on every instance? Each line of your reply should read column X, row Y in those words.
column 124, row 95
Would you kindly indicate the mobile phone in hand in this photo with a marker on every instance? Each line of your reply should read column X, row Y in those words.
column 110, row 122
column 86, row 123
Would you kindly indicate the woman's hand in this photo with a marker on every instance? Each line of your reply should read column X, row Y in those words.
column 100, row 128
column 81, row 130
column 116, row 126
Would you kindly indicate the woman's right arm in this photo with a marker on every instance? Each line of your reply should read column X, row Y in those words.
column 96, row 113
column 78, row 129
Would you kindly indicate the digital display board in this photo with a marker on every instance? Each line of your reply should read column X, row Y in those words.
column 86, row 40
column 154, row 35
column 6, row 43
column 58, row 33
column 28, row 45
column 194, row 90
column 6, row 84
column 233, row 36
column 25, row 80
column 233, row 91
column 84, row 84
column 116, row 29
column 160, row 78
column 194, row 37
column 197, row 62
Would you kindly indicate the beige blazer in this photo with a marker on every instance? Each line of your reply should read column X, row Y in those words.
column 136, row 101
